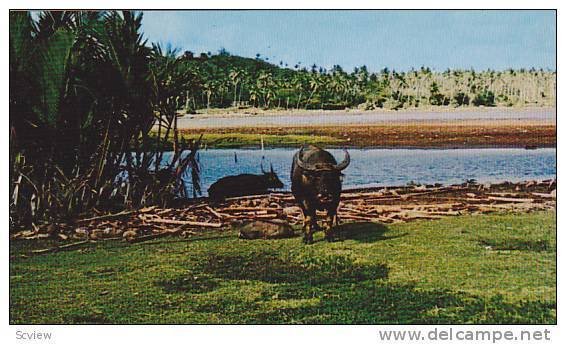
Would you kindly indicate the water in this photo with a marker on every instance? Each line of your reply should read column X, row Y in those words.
column 388, row 167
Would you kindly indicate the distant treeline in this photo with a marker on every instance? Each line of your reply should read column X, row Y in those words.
column 223, row 80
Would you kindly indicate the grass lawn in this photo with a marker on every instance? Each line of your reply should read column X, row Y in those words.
column 468, row 269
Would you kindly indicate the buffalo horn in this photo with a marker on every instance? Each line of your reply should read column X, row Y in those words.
column 344, row 163
column 305, row 166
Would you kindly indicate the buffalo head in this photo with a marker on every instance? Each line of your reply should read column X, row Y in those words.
column 271, row 178
column 324, row 178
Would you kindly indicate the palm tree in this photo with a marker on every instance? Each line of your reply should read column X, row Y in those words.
column 297, row 84
column 315, row 82
column 235, row 77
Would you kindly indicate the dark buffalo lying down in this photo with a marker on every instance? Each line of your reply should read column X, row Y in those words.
column 243, row 185
column 316, row 183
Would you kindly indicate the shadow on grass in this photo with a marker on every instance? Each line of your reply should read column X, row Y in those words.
column 517, row 245
column 188, row 283
column 336, row 289
column 273, row 268
column 384, row 303
column 88, row 319
column 366, row 232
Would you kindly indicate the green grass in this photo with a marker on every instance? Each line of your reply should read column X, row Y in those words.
column 469, row 269
column 239, row 140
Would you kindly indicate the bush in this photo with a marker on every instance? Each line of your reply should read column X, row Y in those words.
column 461, row 99
column 485, row 98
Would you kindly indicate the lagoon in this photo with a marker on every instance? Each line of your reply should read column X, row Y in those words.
column 389, row 167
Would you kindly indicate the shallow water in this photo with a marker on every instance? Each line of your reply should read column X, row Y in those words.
column 386, row 167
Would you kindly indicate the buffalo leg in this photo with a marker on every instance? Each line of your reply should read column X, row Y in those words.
column 307, row 239
column 332, row 221
column 309, row 224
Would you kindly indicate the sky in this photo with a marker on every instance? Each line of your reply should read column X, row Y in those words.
column 398, row 40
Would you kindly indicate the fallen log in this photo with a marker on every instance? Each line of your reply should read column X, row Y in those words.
column 215, row 213
column 503, row 194
column 252, row 209
column 544, row 195
column 356, row 217
column 254, row 217
column 62, row 247
column 242, row 198
column 154, row 236
column 120, row 214
column 512, row 200
column 187, row 223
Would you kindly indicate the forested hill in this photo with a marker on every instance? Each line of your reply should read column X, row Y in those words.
column 224, row 80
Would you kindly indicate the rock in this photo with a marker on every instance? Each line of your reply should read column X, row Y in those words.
column 129, row 235
column 291, row 210
column 95, row 234
column 63, row 236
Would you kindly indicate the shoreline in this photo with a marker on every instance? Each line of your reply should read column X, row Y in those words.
column 389, row 203
column 488, row 134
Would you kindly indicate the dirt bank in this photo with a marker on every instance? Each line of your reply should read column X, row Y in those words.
column 449, row 134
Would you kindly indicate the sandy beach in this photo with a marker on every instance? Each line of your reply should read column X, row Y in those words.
column 457, row 128
column 230, row 118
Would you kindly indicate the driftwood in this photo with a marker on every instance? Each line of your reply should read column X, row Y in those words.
column 512, row 200
column 252, row 209
column 215, row 213
column 120, row 214
column 187, row 223
column 154, row 236
column 66, row 247
column 544, row 195
column 384, row 204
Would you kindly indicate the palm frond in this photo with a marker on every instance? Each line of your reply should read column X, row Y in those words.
column 54, row 55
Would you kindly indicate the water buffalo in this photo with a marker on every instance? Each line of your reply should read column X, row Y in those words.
column 264, row 229
column 316, row 183
column 244, row 184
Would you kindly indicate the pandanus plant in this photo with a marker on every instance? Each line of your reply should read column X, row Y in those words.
column 85, row 91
